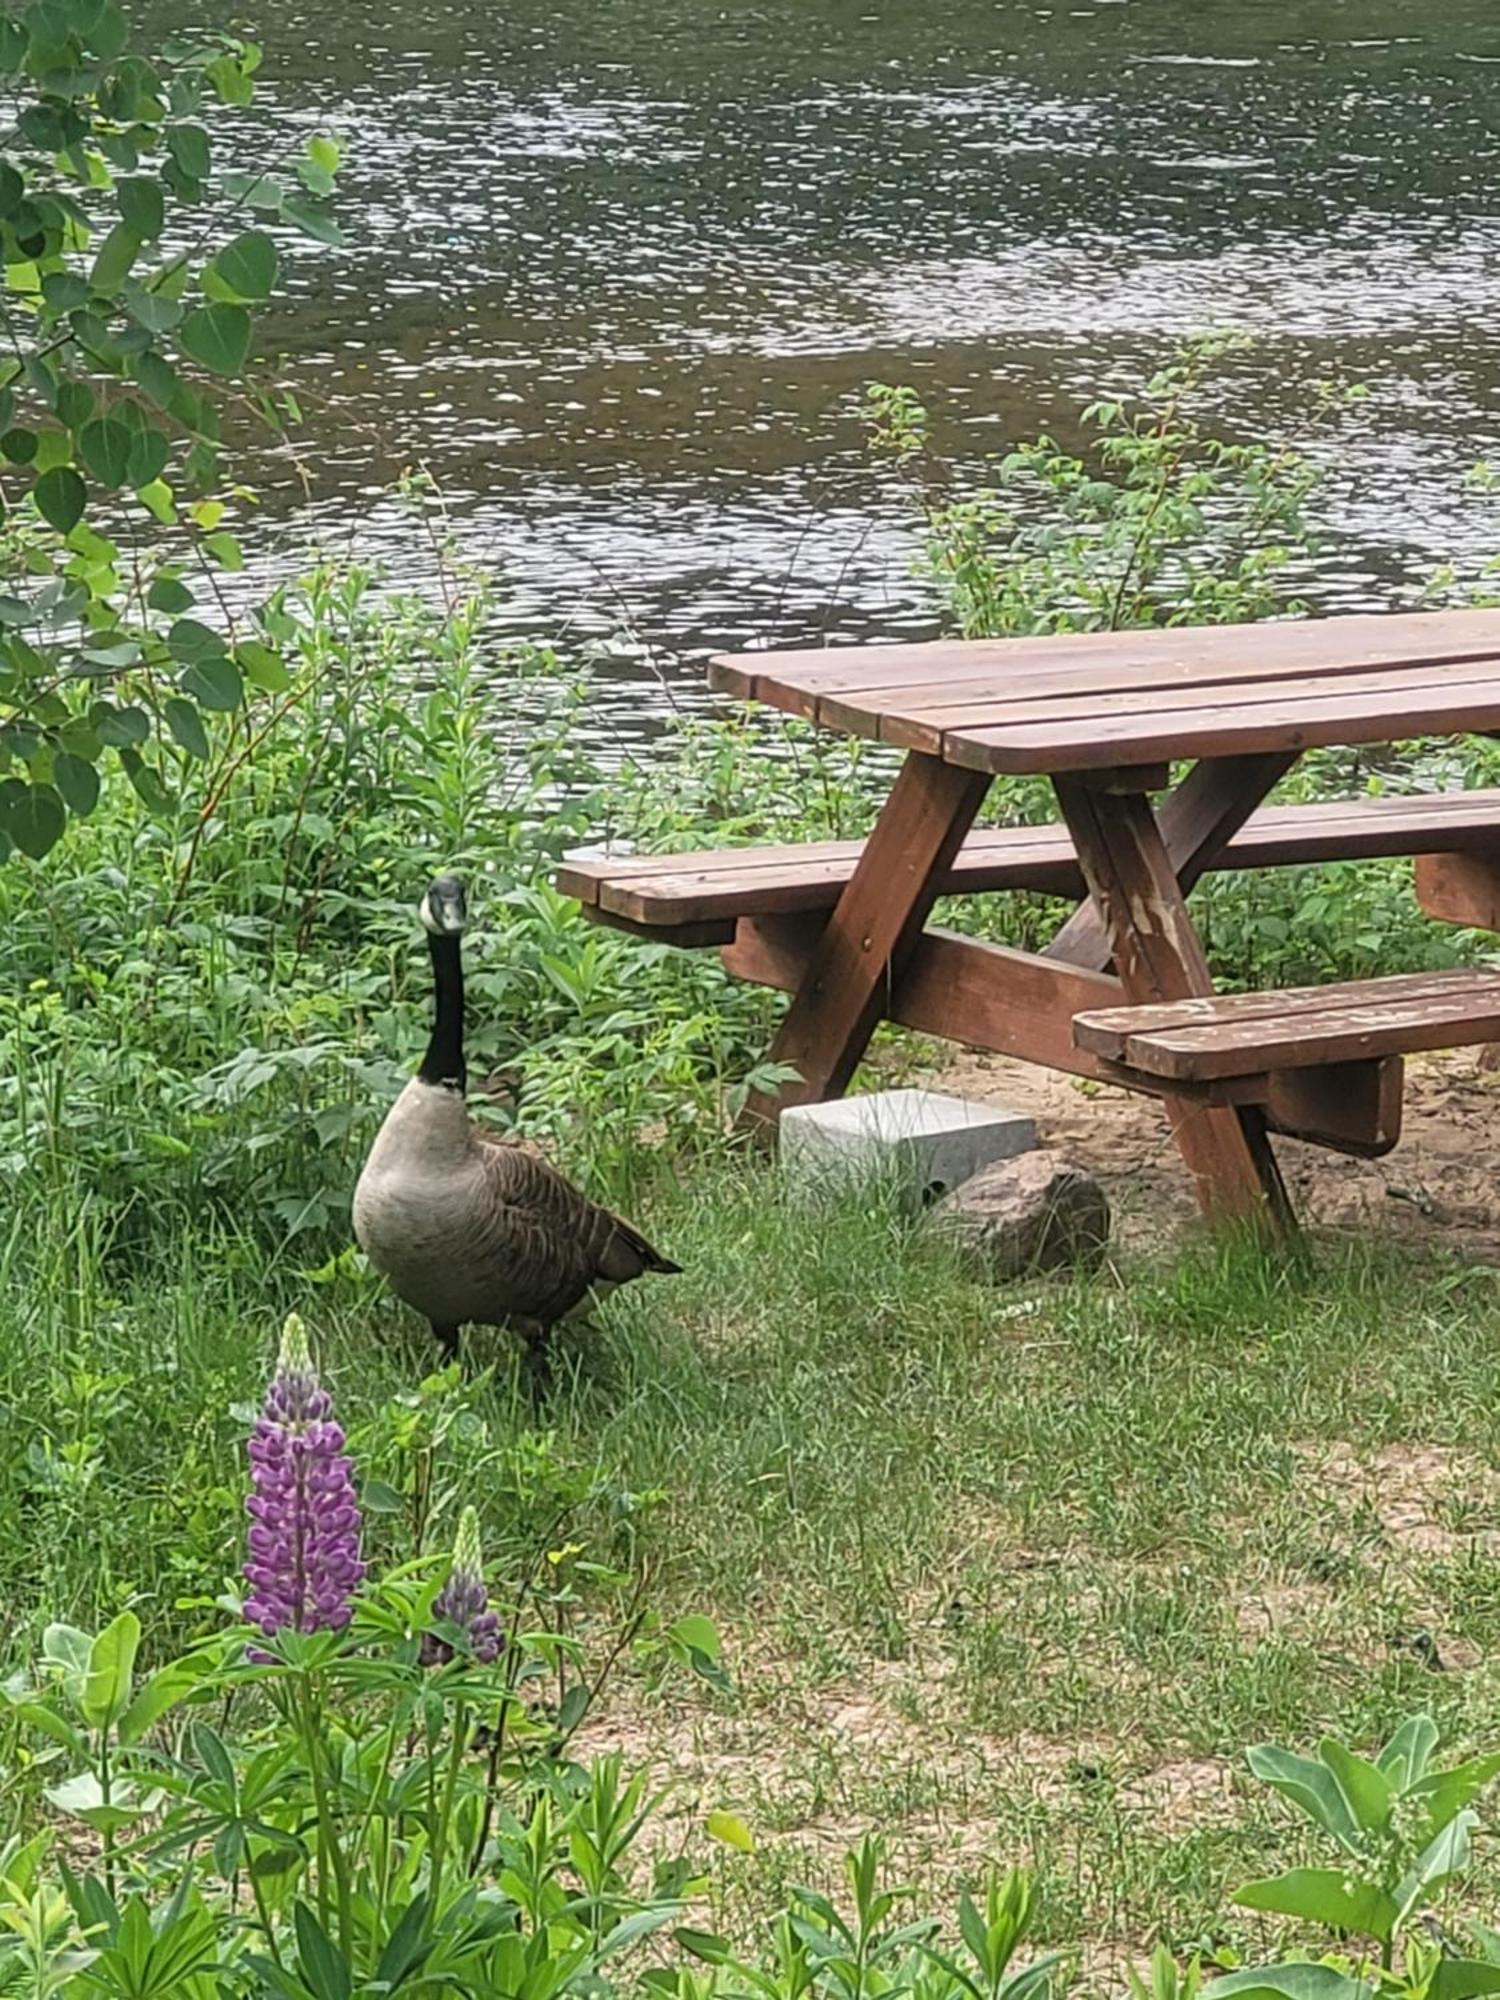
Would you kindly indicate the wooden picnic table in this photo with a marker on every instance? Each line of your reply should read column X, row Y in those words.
column 1124, row 990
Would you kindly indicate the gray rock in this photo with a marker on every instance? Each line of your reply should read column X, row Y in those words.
column 1035, row 1213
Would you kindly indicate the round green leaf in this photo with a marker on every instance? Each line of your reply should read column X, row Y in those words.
column 147, row 783
column 19, row 446
column 190, row 640
column 109, row 33
column 262, row 666
column 247, row 266
column 188, row 145
column 53, row 447
column 64, row 291
column 60, row 496
column 186, row 725
column 75, row 404
column 225, row 551
column 111, row 659
column 148, row 455
column 218, row 336
column 731, row 1830
column 34, row 818
column 149, row 308
column 157, row 496
column 120, row 728
column 143, row 208
column 215, row 684
column 312, row 220
column 117, row 253
column 168, row 594
column 105, row 447
column 78, row 782
column 157, row 377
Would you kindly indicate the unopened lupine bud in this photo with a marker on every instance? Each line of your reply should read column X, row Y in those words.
column 464, row 1601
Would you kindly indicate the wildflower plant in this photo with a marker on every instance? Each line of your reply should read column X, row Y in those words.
column 464, row 1602
column 304, row 1563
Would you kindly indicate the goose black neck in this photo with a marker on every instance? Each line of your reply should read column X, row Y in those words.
column 444, row 1060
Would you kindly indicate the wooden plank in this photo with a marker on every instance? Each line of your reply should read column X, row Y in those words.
column 1038, row 858
column 659, row 890
column 863, row 952
column 1106, row 1033
column 1433, row 708
column 960, row 989
column 795, row 677
column 1460, row 889
column 959, row 686
column 694, row 935
column 928, row 717
column 583, row 875
column 1209, row 807
column 1016, row 1004
column 1158, row 957
column 1352, row 1108
column 1463, row 1015
column 1358, row 1033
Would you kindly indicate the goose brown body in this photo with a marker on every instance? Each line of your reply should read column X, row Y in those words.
column 465, row 1226
column 470, row 1229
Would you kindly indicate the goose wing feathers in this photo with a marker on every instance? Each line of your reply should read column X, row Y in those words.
column 546, row 1243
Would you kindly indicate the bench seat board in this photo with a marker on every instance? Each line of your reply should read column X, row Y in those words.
column 666, row 890
column 1242, row 1034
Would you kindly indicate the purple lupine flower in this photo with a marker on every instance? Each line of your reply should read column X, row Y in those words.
column 303, row 1563
column 464, row 1601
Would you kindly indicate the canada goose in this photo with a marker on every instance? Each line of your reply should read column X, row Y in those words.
column 469, row 1227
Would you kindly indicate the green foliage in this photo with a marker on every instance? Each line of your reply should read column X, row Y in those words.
column 1402, row 1830
column 130, row 284
column 210, row 1009
column 1154, row 521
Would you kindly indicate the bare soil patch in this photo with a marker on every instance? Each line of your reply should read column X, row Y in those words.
column 1439, row 1188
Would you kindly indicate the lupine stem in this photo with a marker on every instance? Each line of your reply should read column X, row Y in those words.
column 442, row 1833
column 330, row 1848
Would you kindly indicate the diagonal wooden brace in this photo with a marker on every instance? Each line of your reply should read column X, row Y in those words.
column 1158, row 957
column 1197, row 823
column 873, row 931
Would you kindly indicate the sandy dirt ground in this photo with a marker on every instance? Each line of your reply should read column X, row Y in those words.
column 1439, row 1188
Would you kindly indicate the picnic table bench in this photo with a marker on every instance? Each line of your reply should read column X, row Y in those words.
column 1123, row 992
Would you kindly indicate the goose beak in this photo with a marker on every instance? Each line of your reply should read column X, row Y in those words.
column 445, row 908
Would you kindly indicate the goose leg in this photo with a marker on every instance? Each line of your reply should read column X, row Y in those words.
column 446, row 1338
column 538, row 1342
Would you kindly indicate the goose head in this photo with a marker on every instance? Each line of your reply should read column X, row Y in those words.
column 444, row 908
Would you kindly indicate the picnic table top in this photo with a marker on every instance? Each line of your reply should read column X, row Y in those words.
column 1090, row 701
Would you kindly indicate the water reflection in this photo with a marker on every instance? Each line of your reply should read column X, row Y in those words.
column 616, row 276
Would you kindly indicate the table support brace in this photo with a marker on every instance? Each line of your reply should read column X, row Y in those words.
column 1157, row 957
column 873, row 931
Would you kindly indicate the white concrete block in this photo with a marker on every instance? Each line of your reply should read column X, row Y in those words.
column 917, row 1142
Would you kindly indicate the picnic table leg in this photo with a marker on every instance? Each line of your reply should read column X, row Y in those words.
column 874, row 928
column 1158, row 957
column 1197, row 823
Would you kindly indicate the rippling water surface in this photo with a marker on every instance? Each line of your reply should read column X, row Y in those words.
column 616, row 275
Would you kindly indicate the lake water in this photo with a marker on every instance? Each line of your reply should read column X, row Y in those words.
column 616, row 276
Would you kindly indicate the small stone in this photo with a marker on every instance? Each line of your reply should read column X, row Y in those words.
column 1036, row 1213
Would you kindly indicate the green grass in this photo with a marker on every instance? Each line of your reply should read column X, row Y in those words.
column 1014, row 1571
